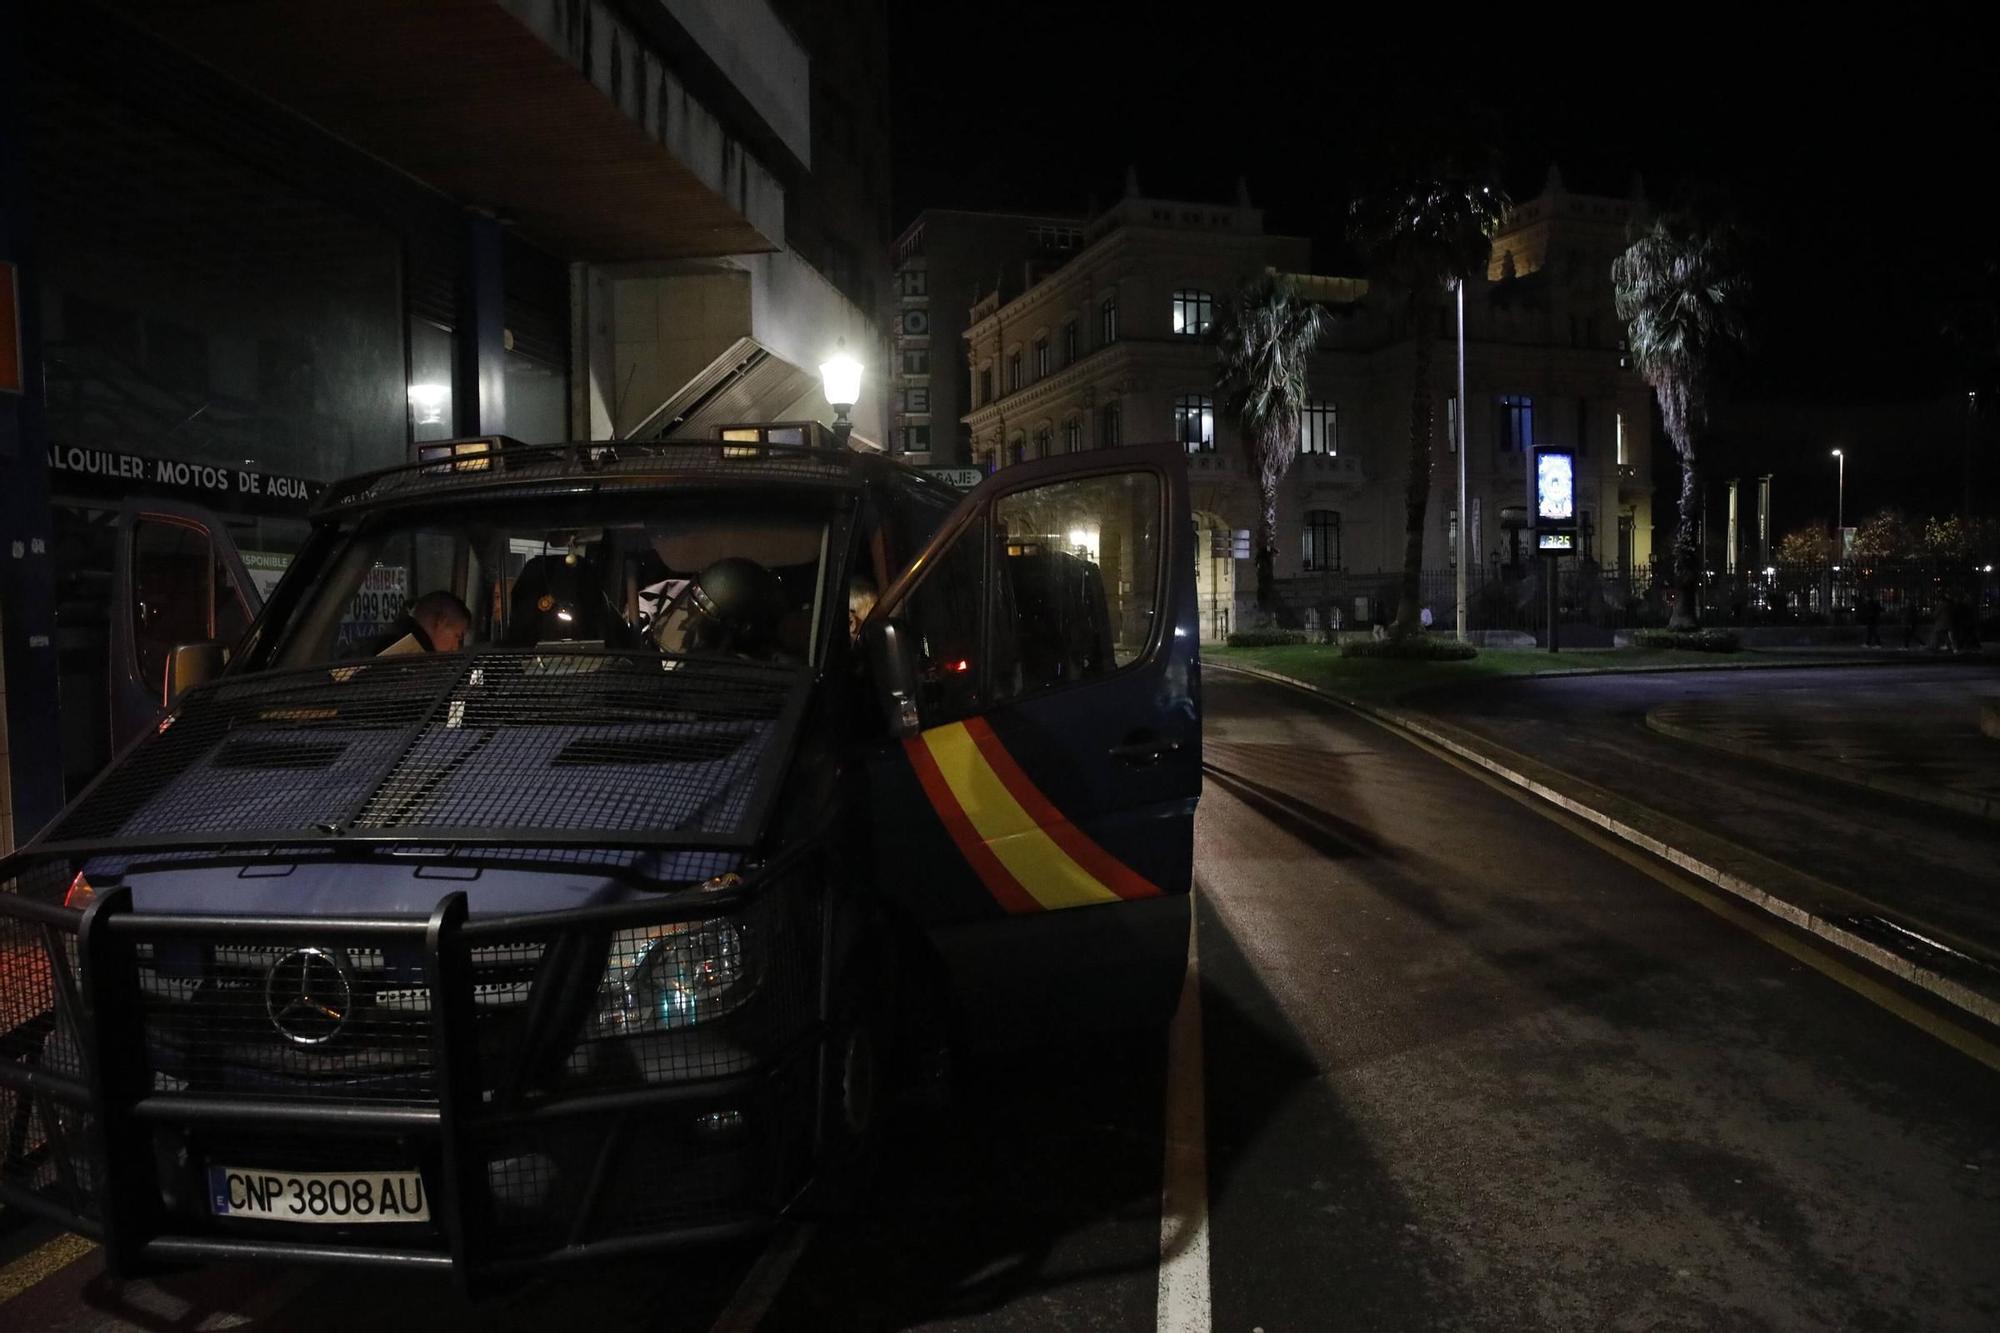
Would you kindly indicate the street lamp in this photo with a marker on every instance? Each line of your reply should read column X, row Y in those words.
column 1463, row 553
column 1840, row 498
column 840, row 377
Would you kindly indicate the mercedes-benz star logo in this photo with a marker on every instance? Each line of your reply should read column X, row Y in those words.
column 308, row 996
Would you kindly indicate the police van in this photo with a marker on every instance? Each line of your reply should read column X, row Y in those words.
column 593, row 906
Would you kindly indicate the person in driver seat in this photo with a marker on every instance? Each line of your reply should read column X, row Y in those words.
column 437, row 622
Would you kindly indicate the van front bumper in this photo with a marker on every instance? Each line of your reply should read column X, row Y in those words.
column 124, row 1083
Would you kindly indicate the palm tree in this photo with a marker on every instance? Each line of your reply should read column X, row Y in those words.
column 1263, row 341
column 1423, row 236
column 1681, row 291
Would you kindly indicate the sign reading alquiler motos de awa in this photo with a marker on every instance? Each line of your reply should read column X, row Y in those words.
column 138, row 474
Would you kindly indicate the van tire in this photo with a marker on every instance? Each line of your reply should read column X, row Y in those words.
column 852, row 1100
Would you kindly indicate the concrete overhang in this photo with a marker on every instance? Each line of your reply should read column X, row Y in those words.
column 552, row 114
column 746, row 383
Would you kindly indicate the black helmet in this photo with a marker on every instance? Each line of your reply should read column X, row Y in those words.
column 735, row 606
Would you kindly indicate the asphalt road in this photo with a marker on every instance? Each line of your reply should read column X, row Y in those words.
column 1933, row 868
column 1463, row 1068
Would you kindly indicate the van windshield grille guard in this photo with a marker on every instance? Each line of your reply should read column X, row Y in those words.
column 539, row 748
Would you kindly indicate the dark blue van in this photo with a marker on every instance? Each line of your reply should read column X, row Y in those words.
column 589, row 904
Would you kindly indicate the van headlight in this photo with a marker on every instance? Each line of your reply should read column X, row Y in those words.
column 669, row 977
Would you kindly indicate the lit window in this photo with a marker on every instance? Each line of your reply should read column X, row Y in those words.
column 1319, row 429
column 1194, row 311
column 1622, row 459
column 1072, row 436
column 1517, row 422
column 1194, row 422
column 1044, row 441
column 1041, row 358
column 1013, row 371
column 1322, row 539
column 1107, row 320
column 1451, row 424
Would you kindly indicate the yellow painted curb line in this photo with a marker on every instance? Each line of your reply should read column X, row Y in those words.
column 42, row 1263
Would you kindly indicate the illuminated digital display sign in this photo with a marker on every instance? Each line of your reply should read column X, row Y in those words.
column 1554, row 480
column 1555, row 486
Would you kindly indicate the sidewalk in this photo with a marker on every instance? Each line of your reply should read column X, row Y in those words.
column 1923, row 743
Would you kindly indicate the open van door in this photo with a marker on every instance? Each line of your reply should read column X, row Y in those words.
column 1035, row 810
column 178, row 578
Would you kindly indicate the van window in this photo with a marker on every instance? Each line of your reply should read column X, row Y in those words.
column 172, row 584
column 1080, row 580
column 943, row 610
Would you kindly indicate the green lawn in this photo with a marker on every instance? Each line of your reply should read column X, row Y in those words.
column 1373, row 680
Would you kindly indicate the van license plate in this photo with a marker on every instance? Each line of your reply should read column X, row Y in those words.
column 343, row 1197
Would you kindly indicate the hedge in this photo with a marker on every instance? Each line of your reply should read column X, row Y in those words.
column 1266, row 638
column 1416, row 648
column 1689, row 640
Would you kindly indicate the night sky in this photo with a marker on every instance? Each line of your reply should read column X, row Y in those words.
column 1862, row 159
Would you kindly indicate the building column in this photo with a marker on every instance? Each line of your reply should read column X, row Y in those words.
column 30, row 736
column 480, row 393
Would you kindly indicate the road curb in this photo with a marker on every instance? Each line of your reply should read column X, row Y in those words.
column 1964, row 803
column 1481, row 753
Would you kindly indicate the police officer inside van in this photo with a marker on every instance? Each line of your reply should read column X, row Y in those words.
column 437, row 622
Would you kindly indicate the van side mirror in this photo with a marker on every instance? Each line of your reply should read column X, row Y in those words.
column 192, row 664
column 892, row 669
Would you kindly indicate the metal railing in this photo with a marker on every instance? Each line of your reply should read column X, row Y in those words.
column 1611, row 598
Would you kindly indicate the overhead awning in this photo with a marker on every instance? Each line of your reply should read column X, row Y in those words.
column 554, row 116
column 746, row 383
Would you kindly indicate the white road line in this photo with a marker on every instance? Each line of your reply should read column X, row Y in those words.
column 1184, row 1302
column 766, row 1278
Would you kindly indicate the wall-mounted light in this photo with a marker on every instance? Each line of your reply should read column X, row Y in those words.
column 428, row 402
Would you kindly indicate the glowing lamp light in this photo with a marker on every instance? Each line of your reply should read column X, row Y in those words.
column 429, row 402
column 1078, row 537
column 840, row 376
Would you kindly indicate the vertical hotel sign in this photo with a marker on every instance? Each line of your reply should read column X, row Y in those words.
column 12, row 374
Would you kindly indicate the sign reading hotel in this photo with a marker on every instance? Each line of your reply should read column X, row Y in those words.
column 229, row 488
column 1555, row 500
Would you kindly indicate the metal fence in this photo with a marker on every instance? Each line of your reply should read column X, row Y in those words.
column 1609, row 598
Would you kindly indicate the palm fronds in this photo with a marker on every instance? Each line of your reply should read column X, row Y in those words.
column 1263, row 342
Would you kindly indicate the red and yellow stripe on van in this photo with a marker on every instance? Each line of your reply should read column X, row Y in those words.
column 1028, row 855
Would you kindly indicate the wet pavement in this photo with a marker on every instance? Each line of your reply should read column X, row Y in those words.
column 1929, row 867
column 1919, row 737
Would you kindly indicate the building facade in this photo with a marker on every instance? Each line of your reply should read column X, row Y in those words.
column 250, row 248
column 1116, row 348
column 944, row 262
